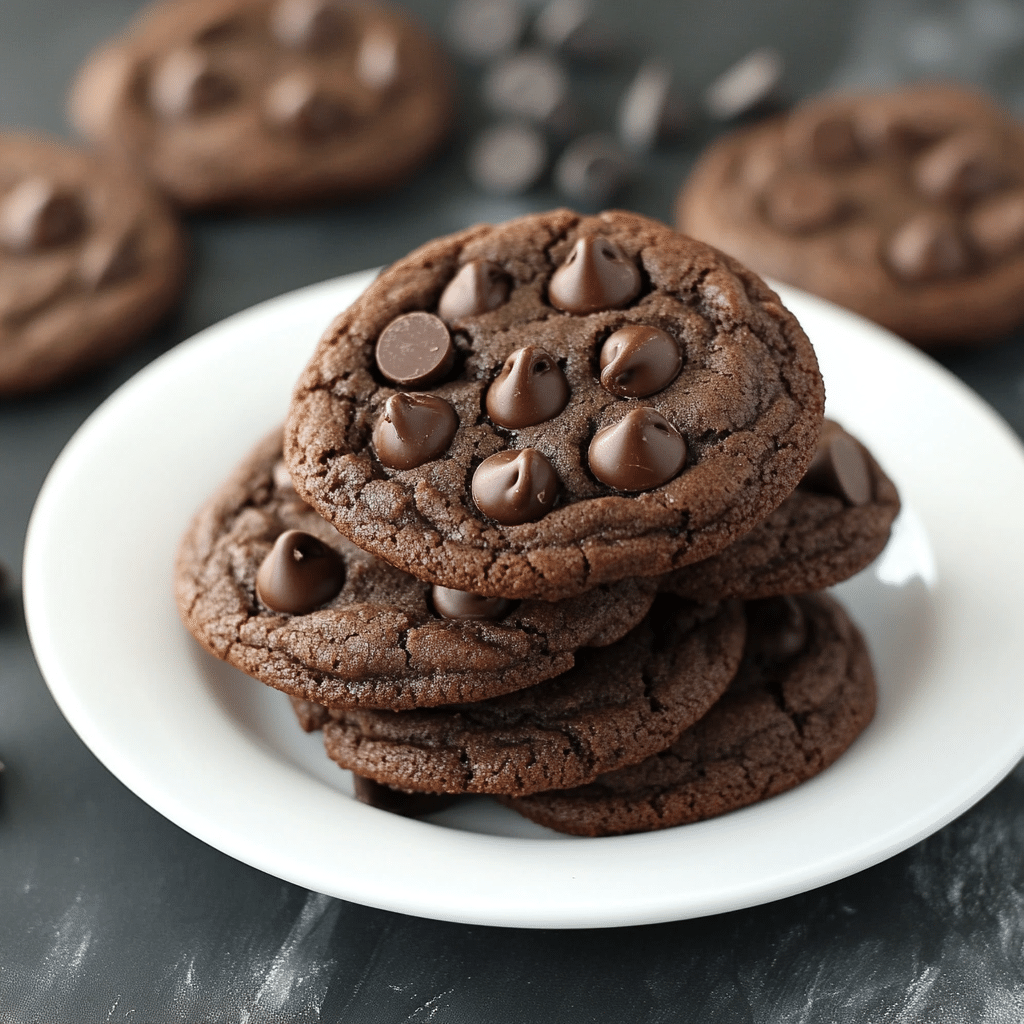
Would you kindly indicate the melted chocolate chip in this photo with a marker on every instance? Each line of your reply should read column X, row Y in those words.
column 458, row 604
column 996, row 227
column 802, row 203
column 777, row 629
column 108, row 261
column 643, row 450
column 637, row 361
column 36, row 214
column 415, row 350
column 829, row 141
column 413, row 429
column 530, row 388
column 961, row 168
column 300, row 574
column 477, row 288
column 377, row 60
column 515, row 486
column 928, row 247
column 309, row 24
column 296, row 103
column 398, row 801
column 839, row 468
column 185, row 84
column 595, row 276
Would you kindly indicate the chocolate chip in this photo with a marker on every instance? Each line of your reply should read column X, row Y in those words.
column 508, row 159
column 839, row 468
column 530, row 389
column 829, row 141
column 300, row 574
column 412, row 429
column 515, row 486
column 592, row 170
column 111, row 259
column 928, row 247
column 398, row 801
column 651, row 111
column 415, row 350
column 377, row 63
column 961, row 168
column 458, row 604
column 777, row 629
column 309, row 24
column 185, row 84
column 749, row 86
column 638, row 360
column 802, row 202
column 36, row 214
column 996, row 227
column 596, row 275
column 643, row 450
column 573, row 30
column 531, row 85
column 296, row 103
column 477, row 288
column 484, row 29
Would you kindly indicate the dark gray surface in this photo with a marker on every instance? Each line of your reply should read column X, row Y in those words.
column 110, row 913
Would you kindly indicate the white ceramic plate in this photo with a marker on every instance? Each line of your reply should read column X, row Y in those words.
column 223, row 757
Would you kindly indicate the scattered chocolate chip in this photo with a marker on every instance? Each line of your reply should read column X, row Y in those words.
column 996, row 227
column 515, row 486
column 595, row 276
column 185, row 84
column 802, row 201
column 458, row 604
column 592, row 170
column 643, row 450
column 398, row 801
column 573, row 30
column 777, row 629
column 297, row 104
column 309, row 24
column 415, row 350
column 928, row 247
column 530, row 388
column 477, row 288
column 110, row 259
column 651, row 111
column 829, row 141
column 839, row 468
column 749, row 86
column 961, row 168
column 508, row 159
column 377, row 62
column 412, row 429
column 531, row 85
column 637, row 361
column 36, row 214
column 484, row 29
column 300, row 574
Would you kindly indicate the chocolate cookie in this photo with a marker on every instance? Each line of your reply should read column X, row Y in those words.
column 90, row 260
column 834, row 524
column 907, row 207
column 262, row 582
column 533, row 409
column 804, row 692
column 255, row 103
column 616, row 707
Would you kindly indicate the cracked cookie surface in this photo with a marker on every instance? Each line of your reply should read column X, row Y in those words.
column 540, row 490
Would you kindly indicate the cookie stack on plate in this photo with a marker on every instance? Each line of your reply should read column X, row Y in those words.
column 528, row 525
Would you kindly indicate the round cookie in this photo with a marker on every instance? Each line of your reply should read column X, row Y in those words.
column 834, row 524
column 268, row 103
column 90, row 260
column 907, row 207
column 614, row 708
column 263, row 583
column 626, row 400
column 804, row 692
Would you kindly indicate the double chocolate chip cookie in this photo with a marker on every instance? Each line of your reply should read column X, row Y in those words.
column 907, row 207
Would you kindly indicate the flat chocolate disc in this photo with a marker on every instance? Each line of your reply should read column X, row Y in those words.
column 415, row 350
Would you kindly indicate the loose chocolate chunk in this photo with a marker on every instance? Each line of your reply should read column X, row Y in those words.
column 413, row 429
column 296, row 103
column 377, row 63
column 508, row 159
column 596, row 275
column 963, row 167
column 109, row 260
column 398, row 801
column 802, row 202
column 415, row 350
column 484, row 29
column 458, row 604
column 637, row 361
column 515, row 486
column 839, row 468
column 643, row 450
column 776, row 629
column 572, row 29
column 185, row 84
column 651, row 111
column 928, row 247
column 829, row 141
column 478, row 287
column 309, row 24
column 531, row 85
column 300, row 574
column 35, row 214
column 750, row 85
column 996, row 227
column 592, row 170
column 530, row 388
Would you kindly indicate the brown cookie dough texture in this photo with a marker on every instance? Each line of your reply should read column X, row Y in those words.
column 571, row 466
column 90, row 260
column 833, row 525
column 804, row 692
column 268, row 103
column 907, row 207
column 377, row 640
column 616, row 707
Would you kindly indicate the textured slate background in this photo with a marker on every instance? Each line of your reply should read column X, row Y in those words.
column 110, row 913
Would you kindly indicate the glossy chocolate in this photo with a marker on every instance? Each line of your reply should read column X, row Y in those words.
column 515, row 486
column 928, row 247
column 961, row 168
column 638, row 360
column 643, row 450
column 297, row 104
column 36, row 214
column 300, row 574
column 530, row 388
column 185, row 84
column 107, row 261
column 996, row 227
column 477, row 288
column 777, row 629
column 415, row 350
column 839, row 468
column 309, row 24
column 459, row 604
column 595, row 276
column 412, row 429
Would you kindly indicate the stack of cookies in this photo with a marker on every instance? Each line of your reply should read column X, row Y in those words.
column 534, row 527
